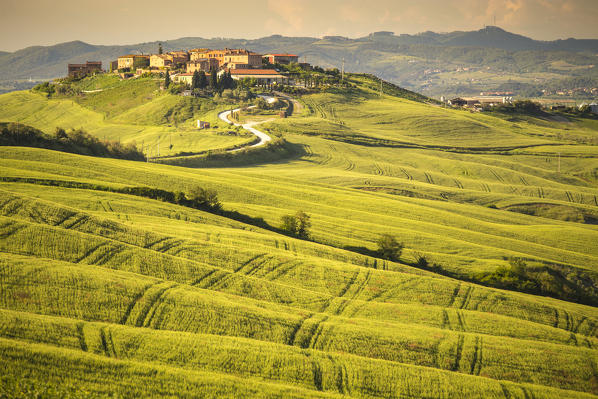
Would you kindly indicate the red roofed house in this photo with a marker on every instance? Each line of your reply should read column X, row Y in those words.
column 281, row 58
column 263, row 76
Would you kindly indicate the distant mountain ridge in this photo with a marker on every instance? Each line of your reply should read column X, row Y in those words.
column 402, row 59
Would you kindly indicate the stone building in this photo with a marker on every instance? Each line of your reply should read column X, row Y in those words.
column 202, row 65
column 281, row 58
column 81, row 70
column 230, row 58
column 160, row 61
column 133, row 61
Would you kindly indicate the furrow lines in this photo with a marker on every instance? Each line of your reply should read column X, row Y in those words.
column 280, row 271
column 134, row 302
column 349, row 284
column 429, row 178
column 476, row 365
column 155, row 305
column 497, row 176
column 90, row 252
column 148, row 306
column 202, row 278
column 459, row 352
column 317, row 332
column 10, row 228
column 467, row 297
column 454, row 296
column 242, row 265
column 81, row 336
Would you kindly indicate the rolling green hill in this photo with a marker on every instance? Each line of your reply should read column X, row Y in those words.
column 105, row 293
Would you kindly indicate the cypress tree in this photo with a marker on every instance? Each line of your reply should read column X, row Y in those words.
column 203, row 81
column 195, row 80
column 167, row 80
column 159, row 48
column 230, row 80
column 214, row 79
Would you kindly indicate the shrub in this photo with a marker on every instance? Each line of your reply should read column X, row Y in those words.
column 203, row 198
column 296, row 225
column 389, row 248
column 421, row 260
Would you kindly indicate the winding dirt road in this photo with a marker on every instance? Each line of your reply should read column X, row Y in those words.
column 264, row 138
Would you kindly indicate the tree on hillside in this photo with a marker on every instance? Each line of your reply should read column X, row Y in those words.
column 288, row 223
column 226, row 81
column 203, row 81
column 159, row 48
column 303, row 224
column 195, row 80
column 204, row 198
column 214, row 79
column 297, row 225
column 167, row 80
column 389, row 248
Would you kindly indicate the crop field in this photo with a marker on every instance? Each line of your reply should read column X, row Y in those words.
column 104, row 293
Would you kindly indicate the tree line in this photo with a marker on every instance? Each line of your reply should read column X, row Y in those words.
column 200, row 81
column 76, row 141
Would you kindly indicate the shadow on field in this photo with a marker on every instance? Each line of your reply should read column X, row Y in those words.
column 278, row 151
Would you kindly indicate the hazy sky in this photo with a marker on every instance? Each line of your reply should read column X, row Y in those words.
column 43, row 22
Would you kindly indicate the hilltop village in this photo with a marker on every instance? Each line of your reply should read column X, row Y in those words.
column 181, row 65
column 188, row 67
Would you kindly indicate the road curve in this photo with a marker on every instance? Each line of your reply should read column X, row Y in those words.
column 264, row 138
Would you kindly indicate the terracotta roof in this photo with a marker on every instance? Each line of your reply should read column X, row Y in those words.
column 254, row 72
column 282, row 55
column 133, row 55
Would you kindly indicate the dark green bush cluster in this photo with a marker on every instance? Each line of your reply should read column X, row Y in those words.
column 75, row 141
column 525, row 107
column 45, row 87
column 513, row 277
column 63, row 88
column 389, row 248
column 296, row 225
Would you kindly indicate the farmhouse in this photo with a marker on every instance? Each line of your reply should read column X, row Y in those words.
column 281, row 58
column 161, row 60
column 81, row 70
column 202, row 65
column 179, row 57
column 232, row 58
column 263, row 76
column 133, row 61
column 198, row 53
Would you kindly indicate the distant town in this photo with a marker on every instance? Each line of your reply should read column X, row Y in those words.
column 182, row 65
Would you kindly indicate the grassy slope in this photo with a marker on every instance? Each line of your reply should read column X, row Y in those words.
column 132, row 111
column 277, row 308
column 150, row 284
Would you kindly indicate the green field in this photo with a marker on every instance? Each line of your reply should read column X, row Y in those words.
column 109, row 294
column 130, row 112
